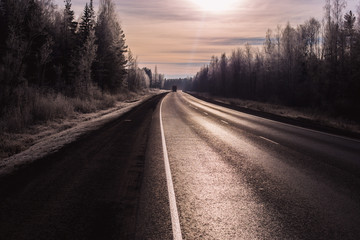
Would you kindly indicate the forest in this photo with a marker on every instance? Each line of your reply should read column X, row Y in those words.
column 52, row 65
column 315, row 65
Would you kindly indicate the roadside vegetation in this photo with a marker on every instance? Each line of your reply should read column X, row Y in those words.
column 315, row 65
column 54, row 68
column 314, row 117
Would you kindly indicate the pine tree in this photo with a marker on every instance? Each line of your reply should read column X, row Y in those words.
column 92, row 13
column 68, row 44
column 87, row 23
column 86, row 52
column 69, row 24
column 111, row 60
column 349, row 28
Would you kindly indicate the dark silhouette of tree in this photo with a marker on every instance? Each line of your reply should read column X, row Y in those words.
column 181, row 83
column 86, row 51
column 349, row 32
column 87, row 23
column 149, row 74
column 68, row 45
column 308, row 65
column 44, row 52
column 111, row 60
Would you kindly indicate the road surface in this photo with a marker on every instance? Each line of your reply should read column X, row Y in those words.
column 87, row 190
column 181, row 168
column 237, row 176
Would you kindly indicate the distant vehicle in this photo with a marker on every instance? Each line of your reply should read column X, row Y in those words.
column 174, row 88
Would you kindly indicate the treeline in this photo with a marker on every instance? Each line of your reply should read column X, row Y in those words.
column 45, row 54
column 181, row 83
column 312, row 65
column 156, row 80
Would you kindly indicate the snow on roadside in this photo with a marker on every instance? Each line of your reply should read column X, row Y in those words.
column 52, row 140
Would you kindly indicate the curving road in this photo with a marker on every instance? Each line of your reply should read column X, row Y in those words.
column 237, row 176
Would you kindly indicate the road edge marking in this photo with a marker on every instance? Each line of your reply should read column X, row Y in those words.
column 175, row 222
column 352, row 139
column 269, row 140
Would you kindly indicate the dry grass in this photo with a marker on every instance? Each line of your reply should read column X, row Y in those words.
column 38, row 107
column 309, row 114
column 44, row 113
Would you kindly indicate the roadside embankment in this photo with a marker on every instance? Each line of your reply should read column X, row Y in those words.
column 308, row 118
column 39, row 140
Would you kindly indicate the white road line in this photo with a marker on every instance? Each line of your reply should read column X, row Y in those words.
column 225, row 122
column 173, row 208
column 269, row 140
column 267, row 119
column 206, row 113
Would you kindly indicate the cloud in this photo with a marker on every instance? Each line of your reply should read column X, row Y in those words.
column 177, row 69
column 179, row 37
column 233, row 41
column 194, row 64
column 158, row 10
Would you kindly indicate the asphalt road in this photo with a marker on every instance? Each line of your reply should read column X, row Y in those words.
column 88, row 190
column 224, row 175
column 237, row 176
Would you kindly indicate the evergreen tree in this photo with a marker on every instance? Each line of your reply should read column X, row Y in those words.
column 349, row 29
column 110, row 67
column 69, row 24
column 86, row 51
column 87, row 23
column 68, row 44
column 149, row 74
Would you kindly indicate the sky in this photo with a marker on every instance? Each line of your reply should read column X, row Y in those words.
column 180, row 36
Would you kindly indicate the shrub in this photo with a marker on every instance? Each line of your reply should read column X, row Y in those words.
column 49, row 106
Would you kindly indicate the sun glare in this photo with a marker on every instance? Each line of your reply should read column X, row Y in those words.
column 215, row 5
